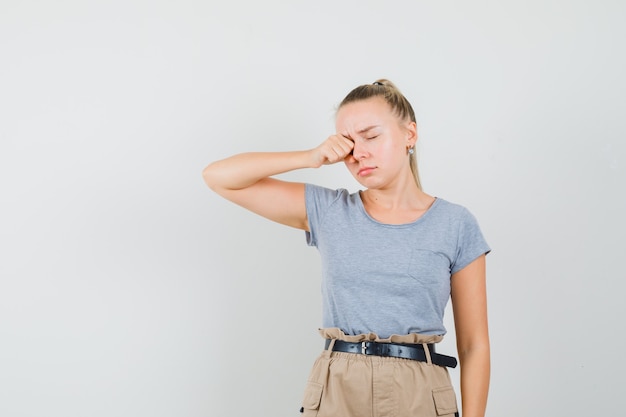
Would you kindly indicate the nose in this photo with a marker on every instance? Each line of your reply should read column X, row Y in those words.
column 359, row 151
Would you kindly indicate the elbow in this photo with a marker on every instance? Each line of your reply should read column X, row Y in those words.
column 209, row 177
column 475, row 349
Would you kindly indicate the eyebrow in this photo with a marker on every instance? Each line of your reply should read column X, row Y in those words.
column 364, row 130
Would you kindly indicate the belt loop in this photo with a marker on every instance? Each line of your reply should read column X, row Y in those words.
column 427, row 352
column 331, row 345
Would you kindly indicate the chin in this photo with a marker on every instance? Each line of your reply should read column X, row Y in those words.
column 368, row 182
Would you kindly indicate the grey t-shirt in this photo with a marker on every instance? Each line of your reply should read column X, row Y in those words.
column 383, row 278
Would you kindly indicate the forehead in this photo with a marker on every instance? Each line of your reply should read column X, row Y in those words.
column 363, row 113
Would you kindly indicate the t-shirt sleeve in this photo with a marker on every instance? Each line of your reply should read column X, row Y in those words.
column 471, row 243
column 318, row 200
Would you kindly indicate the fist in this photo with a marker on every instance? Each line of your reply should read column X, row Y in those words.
column 334, row 149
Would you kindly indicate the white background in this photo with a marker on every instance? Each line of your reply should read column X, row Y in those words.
column 128, row 289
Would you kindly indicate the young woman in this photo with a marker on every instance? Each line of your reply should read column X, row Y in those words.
column 392, row 256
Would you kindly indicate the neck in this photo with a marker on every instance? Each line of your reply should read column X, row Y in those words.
column 405, row 196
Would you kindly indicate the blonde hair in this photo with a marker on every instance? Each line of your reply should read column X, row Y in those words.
column 398, row 103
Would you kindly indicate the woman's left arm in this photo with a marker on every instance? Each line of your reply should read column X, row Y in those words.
column 469, row 303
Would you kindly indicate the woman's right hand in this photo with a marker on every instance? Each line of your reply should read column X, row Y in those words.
column 247, row 179
column 334, row 149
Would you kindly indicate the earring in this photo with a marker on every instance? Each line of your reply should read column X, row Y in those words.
column 411, row 151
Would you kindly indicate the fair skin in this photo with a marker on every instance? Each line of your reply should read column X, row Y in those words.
column 372, row 142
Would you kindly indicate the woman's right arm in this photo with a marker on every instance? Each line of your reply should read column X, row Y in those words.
column 245, row 179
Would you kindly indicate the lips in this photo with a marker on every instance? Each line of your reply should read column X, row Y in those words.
column 365, row 171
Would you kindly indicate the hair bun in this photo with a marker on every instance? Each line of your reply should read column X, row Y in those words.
column 385, row 82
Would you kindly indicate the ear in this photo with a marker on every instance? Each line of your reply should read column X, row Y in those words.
column 411, row 134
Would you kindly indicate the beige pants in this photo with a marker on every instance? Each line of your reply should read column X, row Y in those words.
column 354, row 385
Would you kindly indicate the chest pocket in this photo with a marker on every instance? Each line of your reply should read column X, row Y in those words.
column 428, row 267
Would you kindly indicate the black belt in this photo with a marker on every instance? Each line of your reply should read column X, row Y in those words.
column 415, row 352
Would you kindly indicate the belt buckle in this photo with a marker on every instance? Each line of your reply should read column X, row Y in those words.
column 364, row 348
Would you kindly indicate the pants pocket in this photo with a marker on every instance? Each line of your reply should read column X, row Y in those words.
column 312, row 398
column 445, row 401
